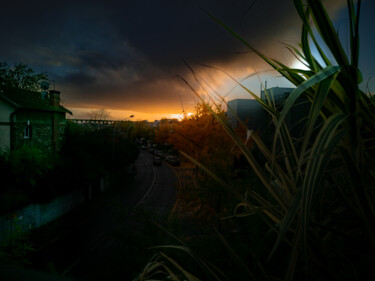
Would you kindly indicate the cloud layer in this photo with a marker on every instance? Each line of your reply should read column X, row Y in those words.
column 126, row 54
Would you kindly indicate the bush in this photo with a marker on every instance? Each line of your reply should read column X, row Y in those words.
column 21, row 172
column 95, row 152
column 16, row 247
column 28, row 164
column 29, row 176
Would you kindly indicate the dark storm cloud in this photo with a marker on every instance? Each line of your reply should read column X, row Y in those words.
column 79, row 78
column 127, row 52
column 174, row 29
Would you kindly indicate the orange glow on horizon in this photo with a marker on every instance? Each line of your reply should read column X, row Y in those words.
column 180, row 116
column 84, row 113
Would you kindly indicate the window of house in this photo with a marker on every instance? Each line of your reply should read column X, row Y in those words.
column 27, row 131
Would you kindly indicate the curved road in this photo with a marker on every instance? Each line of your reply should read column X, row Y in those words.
column 160, row 193
column 104, row 239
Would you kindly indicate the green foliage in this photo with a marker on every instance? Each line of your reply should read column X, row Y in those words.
column 142, row 129
column 28, row 164
column 22, row 171
column 16, row 248
column 90, row 153
column 21, row 76
column 29, row 176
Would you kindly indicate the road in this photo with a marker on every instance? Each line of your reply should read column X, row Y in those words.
column 109, row 238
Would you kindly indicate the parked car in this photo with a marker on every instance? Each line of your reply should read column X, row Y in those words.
column 157, row 161
column 173, row 160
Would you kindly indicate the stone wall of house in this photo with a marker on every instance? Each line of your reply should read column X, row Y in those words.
column 40, row 135
column 41, row 129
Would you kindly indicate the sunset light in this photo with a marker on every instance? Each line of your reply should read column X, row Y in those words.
column 84, row 113
column 187, row 140
column 180, row 116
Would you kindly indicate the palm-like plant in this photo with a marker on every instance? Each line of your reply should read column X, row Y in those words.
column 320, row 187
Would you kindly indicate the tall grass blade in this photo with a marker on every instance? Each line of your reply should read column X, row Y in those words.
column 325, row 28
column 296, row 93
column 187, row 274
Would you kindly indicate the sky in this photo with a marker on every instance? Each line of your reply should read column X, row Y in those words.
column 128, row 57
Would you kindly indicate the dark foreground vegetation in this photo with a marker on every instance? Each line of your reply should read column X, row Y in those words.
column 302, row 210
column 310, row 215
column 31, row 176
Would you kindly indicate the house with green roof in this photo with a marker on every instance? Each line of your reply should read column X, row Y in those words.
column 31, row 118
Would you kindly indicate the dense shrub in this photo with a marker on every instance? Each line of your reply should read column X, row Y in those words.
column 21, row 170
column 31, row 176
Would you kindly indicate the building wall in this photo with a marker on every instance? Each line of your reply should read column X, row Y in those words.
column 256, row 118
column 42, row 133
column 294, row 119
column 231, row 112
column 248, row 111
column 276, row 94
column 5, row 112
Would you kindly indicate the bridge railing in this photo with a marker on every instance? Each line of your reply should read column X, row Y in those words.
column 97, row 122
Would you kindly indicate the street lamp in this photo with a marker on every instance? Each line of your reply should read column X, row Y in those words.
column 118, row 131
column 127, row 130
column 127, row 118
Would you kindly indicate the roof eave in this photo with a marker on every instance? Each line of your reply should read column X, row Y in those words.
column 9, row 101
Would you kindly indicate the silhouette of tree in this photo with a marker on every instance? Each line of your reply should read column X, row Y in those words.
column 99, row 114
column 202, row 137
column 21, row 76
